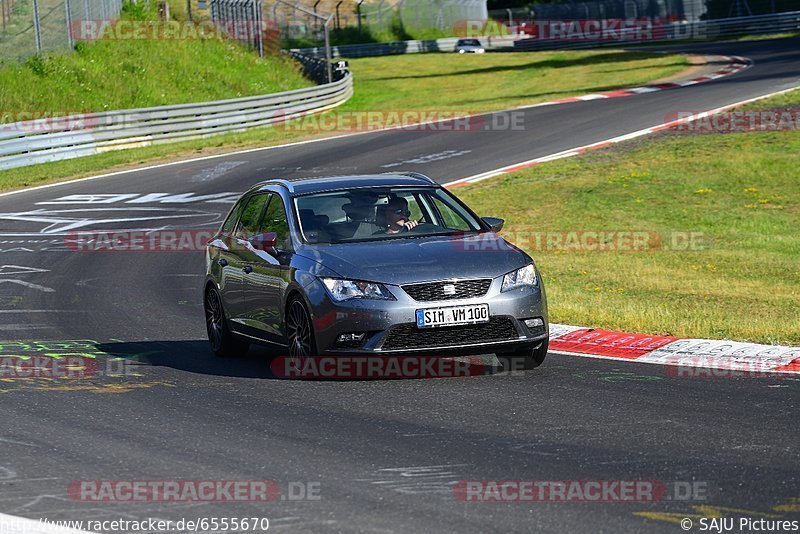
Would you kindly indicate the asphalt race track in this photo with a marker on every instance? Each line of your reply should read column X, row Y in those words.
column 385, row 455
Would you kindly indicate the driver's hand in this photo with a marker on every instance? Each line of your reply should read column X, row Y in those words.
column 411, row 224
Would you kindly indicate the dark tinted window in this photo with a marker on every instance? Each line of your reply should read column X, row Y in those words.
column 275, row 221
column 369, row 214
column 233, row 218
column 251, row 216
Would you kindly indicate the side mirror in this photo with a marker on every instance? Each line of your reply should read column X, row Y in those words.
column 266, row 242
column 494, row 223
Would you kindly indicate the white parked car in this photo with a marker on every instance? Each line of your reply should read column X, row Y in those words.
column 469, row 46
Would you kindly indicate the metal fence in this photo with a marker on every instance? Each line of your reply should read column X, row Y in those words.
column 380, row 18
column 704, row 30
column 442, row 15
column 46, row 26
column 32, row 142
column 673, row 31
column 679, row 10
column 244, row 21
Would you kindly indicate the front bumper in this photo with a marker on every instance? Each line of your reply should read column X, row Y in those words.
column 388, row 327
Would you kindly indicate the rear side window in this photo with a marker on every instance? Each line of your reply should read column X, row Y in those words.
column 275, row 221
column 230, row 223
column 251, row 216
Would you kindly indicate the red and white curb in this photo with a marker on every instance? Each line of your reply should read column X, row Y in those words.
column 673, row 351
column 735, row 64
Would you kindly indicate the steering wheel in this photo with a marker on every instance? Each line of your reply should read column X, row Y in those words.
column 424, row 227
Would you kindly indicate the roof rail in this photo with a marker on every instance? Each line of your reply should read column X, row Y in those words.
column 412, row 174
column 277, row 181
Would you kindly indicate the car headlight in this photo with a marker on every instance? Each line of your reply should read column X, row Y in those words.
column 342, row 290
column 525, row 276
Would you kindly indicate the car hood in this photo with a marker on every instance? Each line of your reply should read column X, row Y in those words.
column 410, row 260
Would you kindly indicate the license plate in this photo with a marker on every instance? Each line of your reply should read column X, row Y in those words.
column 452, row 316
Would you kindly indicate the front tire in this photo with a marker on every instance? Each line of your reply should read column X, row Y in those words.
column 525, row 360
column 299, row 332
column 223, row 344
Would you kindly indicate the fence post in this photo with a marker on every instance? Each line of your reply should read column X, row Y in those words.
column 36, row 29
column 70, row 37
column 259, row 30
column 328, row 48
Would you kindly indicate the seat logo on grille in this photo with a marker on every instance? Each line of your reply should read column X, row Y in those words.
column 449, row 289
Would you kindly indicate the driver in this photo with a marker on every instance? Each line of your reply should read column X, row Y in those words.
column 397, row 216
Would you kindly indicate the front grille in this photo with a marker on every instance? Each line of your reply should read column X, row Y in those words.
column 464, row 289
column 408, row 336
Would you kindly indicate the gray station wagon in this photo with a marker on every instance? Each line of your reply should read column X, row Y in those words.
column 370, row 265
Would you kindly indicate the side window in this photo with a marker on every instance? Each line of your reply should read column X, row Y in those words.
column 251, row 215
column 275, row 221
column 230, row 223
column 451, row 219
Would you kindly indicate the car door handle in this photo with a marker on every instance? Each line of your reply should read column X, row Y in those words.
column 247, row 269
column 222, row 262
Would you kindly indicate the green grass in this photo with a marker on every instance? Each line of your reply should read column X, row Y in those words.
column 487, row 82
column 739, row 191
column 764, row 37
column 538, row 72
column 792, row 98
column 722, row 38
column 110, row 75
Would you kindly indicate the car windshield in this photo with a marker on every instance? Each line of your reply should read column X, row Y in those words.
column 469, row 42
column 374, row 214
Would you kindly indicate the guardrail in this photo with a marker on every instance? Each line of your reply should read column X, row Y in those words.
column 45, row 140
column 383, row 49
column 669, row 32
column 661, row 33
